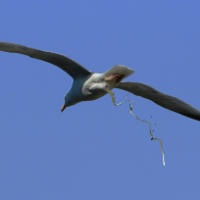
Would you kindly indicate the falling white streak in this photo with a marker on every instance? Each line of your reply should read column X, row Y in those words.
column 141, row 120
column 150, row 132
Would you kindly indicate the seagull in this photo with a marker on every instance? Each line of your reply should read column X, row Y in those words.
column 89, row 86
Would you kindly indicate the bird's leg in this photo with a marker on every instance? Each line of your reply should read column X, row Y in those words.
column 150, row 131
column 113, row 97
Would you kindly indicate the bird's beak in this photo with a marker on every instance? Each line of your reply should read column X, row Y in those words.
column 63, row 108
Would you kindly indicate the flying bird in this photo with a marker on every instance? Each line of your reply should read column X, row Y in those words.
column 88, row 85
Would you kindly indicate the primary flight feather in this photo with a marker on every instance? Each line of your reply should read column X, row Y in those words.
column 90, row 86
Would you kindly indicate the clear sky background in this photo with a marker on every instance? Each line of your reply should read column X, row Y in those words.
column 94, row 150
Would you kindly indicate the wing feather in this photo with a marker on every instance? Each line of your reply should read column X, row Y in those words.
column 164, row 100
column 71, row 67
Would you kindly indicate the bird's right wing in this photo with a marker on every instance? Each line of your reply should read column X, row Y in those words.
column 71, row 67
column 164, row 100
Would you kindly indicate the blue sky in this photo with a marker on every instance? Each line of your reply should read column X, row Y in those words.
column 95, row 150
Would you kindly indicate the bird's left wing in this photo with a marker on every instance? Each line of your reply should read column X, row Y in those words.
column 164, row 100
column 71, row 67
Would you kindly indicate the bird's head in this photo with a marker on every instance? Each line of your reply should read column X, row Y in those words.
column 65, row 105
column 74, row 95
column 68, row 101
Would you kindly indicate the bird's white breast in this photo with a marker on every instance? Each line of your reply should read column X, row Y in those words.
column 95, row 82
column 105, row 81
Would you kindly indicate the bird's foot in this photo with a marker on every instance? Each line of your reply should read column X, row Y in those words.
column 115, row 78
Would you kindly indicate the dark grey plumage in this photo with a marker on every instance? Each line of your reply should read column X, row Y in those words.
column 91, row 86
column 68, row 65
column 164, row 100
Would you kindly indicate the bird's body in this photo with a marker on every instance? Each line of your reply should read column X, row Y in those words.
column 81, row 90
column 89, row 86
column 96, row 85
